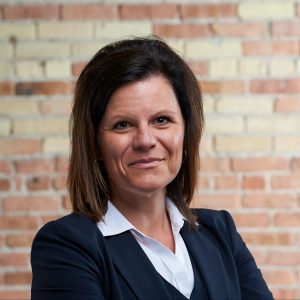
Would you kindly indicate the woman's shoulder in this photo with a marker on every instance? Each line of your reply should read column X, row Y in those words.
column 72, row 227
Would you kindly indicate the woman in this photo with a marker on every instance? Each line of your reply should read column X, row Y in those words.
column 136, row 126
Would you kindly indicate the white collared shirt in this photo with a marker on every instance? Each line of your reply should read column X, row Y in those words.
column 176, row 267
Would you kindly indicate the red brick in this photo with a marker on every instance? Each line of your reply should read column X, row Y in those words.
column 60, row 182
column 31, row 203
column 216, row 201
column 296, row 164
column 35, row 166
column 143, row 11
column 207, row 11
column 12, row 147
column 284, row 258
column 15, row 294
column 253, row 182
column 38, row 183
column 31, row 12
column 287, row 219
column 199, row 68
column 1, row 17
column 237, row 29
column 287, row 104
column 269, row 238
column 284, row 293
column 251, row 219
column 13, row 259
column 226, row 182
column 43, row 88
column 279, row 277
column 204, row 182
column 5, row 166
column 286, row 28
column 19, row 222
column 67, row 203
column 271, row 48
column 285, row 182
column 223, row 87
column 210, row 164
column 61, row 164
column 7, row 88
column 77, row 68
column 275, row 86
column 298, row 10
column 19, row 240
column 259, row 256
column 270, row 201
column 89, row 11
column 260, row 164
column 182, row 30
column 18, row 278
column 4, row 184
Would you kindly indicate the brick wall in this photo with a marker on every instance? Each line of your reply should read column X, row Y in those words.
column 246, row 56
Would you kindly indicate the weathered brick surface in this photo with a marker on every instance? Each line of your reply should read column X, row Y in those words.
column 245, row 54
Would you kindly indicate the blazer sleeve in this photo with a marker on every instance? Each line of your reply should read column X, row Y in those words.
column 252, row 284
column 65, row 264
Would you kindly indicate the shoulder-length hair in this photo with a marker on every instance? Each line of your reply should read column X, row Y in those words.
column 113, row 66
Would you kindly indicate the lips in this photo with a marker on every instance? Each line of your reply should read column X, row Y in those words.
column 146, row 163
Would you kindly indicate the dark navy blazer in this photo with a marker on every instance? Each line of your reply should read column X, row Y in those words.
column 71, row 260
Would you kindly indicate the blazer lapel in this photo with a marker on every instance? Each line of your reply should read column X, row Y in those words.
column 135, row 267
column 209, row 261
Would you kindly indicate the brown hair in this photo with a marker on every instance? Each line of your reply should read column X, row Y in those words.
column 113, row 66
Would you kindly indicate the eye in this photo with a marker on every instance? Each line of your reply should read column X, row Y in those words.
column 162, row 120
column 121, row 125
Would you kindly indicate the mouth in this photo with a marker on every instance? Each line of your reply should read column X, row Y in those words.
column 146, row 163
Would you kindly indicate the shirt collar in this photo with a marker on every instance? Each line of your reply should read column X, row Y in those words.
column 114, row 222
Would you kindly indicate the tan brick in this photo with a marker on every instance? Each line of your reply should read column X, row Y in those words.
column 245, row 104
column 287, row 104
column 240, row 29
column 287, row 143
column 252, row 67
column 298, row 66
column 222, row 87
column 213, row 48
column 5, row 127
column 218, row 124
column 266, row 10
column 56, row 107
column 56, row 145
column 281, row 68
column 19, row 146
column 208, row 104
column 5, row 51
column 65, row 30
column 114, row 30
column 243, row 143
column 86, row 49
column 223, row 68
column 273, row 124
column 29, row 69
column 41, row 50
column 5, row 70
column 43, row 126
column 17, row 30
column 19, row 107
column 58, row 69
column 177, row 45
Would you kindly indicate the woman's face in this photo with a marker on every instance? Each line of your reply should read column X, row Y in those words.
column 141, row 137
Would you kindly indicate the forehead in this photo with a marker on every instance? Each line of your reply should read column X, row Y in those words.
column 153, row 92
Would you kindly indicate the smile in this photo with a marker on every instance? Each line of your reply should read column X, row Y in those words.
column 146, row 163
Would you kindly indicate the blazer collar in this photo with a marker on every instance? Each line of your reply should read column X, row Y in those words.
column 208, row 259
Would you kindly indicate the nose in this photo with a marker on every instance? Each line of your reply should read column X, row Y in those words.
column 144, row 138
